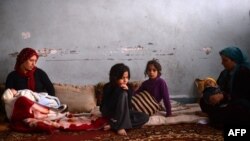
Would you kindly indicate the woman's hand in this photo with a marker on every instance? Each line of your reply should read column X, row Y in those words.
column 215, row 99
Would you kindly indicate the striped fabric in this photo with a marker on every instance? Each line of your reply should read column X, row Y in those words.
column 144, row 102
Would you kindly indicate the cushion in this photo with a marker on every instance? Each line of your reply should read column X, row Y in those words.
column 144, row 102
column 78, row 98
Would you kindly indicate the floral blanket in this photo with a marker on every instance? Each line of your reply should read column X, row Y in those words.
column 28, row 116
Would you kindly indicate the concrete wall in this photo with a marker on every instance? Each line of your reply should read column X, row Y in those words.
column 79, row 40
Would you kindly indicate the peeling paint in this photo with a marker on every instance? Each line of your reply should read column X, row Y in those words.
column 164, row 54
column 91, row 59
column 25, row 35
column 44, row 52
column 137, row 48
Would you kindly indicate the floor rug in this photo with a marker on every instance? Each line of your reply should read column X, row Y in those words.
column 177, row 132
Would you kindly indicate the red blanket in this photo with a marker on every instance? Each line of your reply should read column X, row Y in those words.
column 28, row 116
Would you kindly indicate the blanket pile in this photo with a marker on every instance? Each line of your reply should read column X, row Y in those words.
column 27, row 116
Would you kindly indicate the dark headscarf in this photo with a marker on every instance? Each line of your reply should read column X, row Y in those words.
column 235, row 54
column 23, row 56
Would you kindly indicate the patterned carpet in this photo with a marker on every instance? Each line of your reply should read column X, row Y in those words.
column 178, row 132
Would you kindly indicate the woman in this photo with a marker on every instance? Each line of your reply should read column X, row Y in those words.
column 234, row 83
column 27, row 76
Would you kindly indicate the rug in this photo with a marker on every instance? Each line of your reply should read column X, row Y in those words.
column 177, row 132
column 187, row 123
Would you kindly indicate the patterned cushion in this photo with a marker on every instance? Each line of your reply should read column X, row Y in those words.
column 144, row 102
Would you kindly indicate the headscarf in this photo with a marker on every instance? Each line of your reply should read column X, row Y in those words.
column 236, row 55
column 23, row 56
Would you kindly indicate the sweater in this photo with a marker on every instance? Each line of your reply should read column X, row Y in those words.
column 159, row 90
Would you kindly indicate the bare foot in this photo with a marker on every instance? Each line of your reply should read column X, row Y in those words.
column 122, row 132
column 106, row 127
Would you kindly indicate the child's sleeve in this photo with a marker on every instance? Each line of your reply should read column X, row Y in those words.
column 166, row 99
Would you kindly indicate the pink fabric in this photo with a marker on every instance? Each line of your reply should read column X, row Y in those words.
column 28, row 117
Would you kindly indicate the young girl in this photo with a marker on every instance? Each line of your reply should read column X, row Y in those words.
column 116, row 102
column 155, row 85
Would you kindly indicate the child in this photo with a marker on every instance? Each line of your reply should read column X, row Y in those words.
column 210, row 88
column 40, row 98
column 155, row 85
column 116, row 102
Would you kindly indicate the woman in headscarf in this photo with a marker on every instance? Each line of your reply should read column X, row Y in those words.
column 27, row 76
column 234, row 83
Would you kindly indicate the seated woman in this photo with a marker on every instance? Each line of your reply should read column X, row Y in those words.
column 26, row 75
column 233, row 82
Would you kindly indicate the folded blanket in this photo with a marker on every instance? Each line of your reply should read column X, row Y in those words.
column 181, row 113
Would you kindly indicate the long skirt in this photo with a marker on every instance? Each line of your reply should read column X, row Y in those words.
column 236, row 112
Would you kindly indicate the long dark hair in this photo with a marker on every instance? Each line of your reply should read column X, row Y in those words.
column 156, row 64
column 117, row 71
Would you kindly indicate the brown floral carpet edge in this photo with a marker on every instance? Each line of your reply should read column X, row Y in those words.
column 177, row 132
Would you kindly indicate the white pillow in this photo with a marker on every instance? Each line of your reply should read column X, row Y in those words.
column 78, row 98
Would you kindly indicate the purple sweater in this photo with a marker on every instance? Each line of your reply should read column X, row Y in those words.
column 159, row 90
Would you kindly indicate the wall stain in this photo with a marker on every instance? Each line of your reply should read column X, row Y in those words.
column 203, row 58
column 14, row 54
column 111, row 59
column 207, row 50
column 150, row 43
column 73, row 52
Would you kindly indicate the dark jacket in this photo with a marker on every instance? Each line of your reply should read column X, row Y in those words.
column 42, row 82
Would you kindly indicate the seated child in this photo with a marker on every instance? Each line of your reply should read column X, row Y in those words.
column 210, row 88
column 40, row 98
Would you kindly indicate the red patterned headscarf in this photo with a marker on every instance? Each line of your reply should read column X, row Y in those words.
column 23, row 56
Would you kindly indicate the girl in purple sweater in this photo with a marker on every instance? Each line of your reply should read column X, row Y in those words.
column 155, row 85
